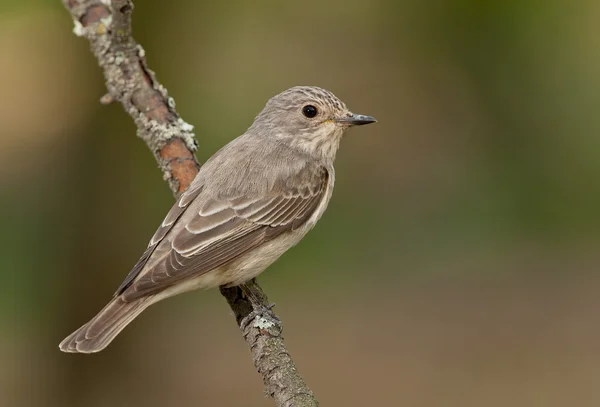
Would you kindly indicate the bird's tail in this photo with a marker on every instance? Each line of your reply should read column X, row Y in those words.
column 104, row 327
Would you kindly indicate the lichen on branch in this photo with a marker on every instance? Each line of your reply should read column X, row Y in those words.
column 107, row 26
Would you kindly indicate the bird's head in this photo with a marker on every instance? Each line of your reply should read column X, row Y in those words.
column 309, row 118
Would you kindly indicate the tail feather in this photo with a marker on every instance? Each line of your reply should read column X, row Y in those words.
column 104, row 327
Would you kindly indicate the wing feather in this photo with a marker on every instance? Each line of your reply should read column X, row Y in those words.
column 221, row 230
column 172, row 216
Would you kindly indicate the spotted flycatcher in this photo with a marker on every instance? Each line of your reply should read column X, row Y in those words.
column 251, row 201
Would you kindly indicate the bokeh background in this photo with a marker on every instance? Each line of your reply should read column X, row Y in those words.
column 458, row 264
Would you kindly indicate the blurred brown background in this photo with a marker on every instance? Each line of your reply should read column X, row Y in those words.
column 458, row 264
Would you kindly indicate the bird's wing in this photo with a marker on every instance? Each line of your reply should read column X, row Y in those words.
column 167, row 224
column 222, row 230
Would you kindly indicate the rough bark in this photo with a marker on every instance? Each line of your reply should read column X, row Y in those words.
column 107, row 26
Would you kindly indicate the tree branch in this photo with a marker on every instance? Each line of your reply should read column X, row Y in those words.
column 107, row 26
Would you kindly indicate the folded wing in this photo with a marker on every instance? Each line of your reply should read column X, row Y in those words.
column 222, row 230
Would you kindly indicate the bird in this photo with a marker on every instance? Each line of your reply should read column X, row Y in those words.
column 250, row 202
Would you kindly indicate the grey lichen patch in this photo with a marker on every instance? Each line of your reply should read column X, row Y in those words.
column 141, row 52
column 261, row 322
column 185, row 133
column 164, row 166
column 167, row 175
column 163, row 91
column 190, row 141
column 78, row 28
column 156, row 134
column 120, row 57
column 184, row 125
column 105, row 24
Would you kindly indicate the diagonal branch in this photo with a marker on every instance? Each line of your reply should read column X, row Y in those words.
column 107, row 26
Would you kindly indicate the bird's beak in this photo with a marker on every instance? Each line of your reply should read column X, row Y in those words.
column 356, row 119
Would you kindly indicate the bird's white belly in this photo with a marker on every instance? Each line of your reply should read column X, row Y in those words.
column 241, row 270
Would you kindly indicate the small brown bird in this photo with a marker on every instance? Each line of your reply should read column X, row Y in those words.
column 251, row 201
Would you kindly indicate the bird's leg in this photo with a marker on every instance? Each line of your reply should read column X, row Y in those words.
column 262, row 312
column 260, row 305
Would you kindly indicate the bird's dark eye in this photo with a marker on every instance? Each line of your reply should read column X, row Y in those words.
column 309, row 111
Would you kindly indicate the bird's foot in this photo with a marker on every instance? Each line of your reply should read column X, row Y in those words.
column 263, row 312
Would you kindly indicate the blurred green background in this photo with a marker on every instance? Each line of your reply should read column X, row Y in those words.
column 458, row 263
